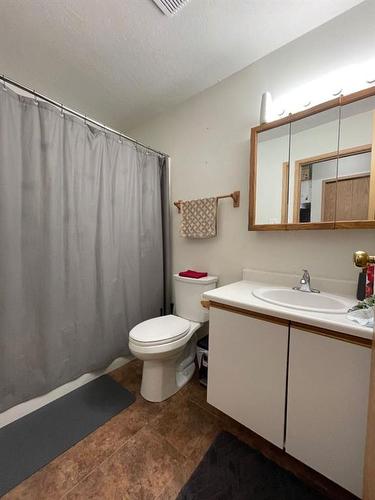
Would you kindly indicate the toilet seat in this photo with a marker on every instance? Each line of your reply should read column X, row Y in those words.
column 159, row 331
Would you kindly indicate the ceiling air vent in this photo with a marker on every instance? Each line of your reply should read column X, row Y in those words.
column 170, row 7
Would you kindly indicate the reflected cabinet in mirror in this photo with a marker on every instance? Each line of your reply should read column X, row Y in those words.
column 315, row 169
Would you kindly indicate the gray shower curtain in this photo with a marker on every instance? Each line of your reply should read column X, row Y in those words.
column 83, row 250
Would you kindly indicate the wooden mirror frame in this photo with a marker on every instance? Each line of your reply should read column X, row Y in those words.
column 284, row 225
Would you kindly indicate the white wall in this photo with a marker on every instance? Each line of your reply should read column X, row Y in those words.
column 208, row 140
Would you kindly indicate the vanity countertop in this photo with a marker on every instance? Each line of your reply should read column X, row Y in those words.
column 240, row 295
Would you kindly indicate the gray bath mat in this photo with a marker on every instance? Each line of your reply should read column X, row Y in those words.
column 31, row 442
column 231, row 470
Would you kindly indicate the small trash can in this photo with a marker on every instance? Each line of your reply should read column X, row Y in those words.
column 202, row 357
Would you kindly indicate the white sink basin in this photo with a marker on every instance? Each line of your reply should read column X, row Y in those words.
column 294, row 299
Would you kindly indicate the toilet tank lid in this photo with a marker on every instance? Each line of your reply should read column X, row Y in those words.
column 197, row 281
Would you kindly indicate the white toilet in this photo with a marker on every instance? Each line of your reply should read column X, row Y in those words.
column 166, row 344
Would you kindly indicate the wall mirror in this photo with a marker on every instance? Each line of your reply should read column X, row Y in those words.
column 273, row 169
column 315, row 169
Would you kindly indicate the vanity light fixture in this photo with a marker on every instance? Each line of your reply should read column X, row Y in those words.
column 342, row 81
column 266, row 108
column 170, row 7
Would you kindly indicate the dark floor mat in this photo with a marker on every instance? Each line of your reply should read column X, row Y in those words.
column 33, row 441
column 231, row 470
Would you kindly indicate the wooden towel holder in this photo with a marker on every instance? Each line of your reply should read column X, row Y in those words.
column 235, row 197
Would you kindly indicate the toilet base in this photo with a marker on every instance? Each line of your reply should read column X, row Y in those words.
column 161, row 378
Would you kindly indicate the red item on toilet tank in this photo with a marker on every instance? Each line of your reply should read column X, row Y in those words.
column 192, row 274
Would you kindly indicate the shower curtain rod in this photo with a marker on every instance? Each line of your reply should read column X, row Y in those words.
column 79, row 115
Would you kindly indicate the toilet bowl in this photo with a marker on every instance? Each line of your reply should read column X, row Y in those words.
column 167, row 344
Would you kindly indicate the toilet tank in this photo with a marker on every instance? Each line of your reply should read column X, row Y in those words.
column 188, row 296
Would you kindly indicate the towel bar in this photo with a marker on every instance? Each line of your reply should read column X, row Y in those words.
column 235, row 197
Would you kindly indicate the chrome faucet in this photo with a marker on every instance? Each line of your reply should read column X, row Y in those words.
column 304, row 284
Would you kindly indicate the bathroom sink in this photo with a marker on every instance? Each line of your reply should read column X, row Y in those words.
column 295, row 299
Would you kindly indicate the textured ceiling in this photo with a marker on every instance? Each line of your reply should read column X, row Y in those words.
column 123, row 61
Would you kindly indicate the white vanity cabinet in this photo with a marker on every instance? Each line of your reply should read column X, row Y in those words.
column 328, row 386
column 247, row 370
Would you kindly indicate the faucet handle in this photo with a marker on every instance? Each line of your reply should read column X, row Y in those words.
column 304, row 283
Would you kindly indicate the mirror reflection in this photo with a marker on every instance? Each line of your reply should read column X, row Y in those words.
column 272, row 176
column 355, row 191
column 313, row 159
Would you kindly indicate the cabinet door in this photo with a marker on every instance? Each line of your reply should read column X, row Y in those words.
column 327, row 406
column 247, row 371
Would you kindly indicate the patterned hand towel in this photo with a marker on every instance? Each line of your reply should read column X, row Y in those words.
column 199, row 218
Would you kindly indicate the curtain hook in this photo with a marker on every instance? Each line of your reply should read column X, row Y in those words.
column 4, row 86
column 370, row 81
column 307, row 104
column 62, row 111
column 337, row 93
column 282, row 112
column 119, row 139
column 35, row 99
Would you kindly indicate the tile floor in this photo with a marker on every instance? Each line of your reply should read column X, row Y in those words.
column 148, row 451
